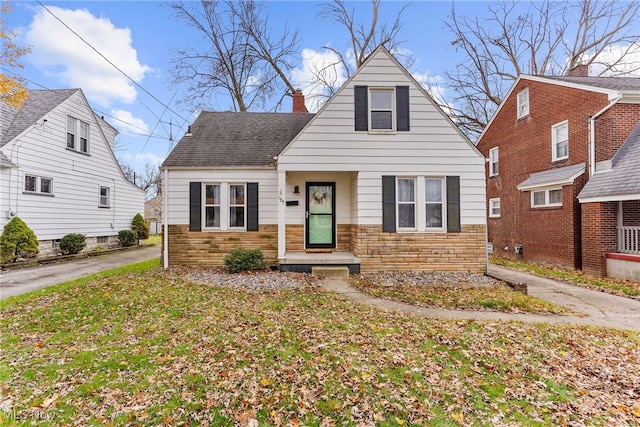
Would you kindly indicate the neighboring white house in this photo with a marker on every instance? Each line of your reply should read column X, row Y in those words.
column 59, row 173
column 379, row 179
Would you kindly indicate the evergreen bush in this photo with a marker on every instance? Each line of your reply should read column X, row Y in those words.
column 72, row 243
column 127, row 237
column 240, row 260
column 140, row 227
column 17, row 241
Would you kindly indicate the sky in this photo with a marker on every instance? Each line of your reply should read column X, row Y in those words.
column 92, row 45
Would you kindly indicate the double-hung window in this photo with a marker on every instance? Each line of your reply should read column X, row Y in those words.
column 103, row 199
column 494, row 161
column 434, row 202
column 212, row 205
column 406, row 203
column 546, row 197
column 77, row 135
column 420, row 203
column 381, row 112
column 560, row 141
column 523, row 103
column 494, row 208
column 224, row 206
column 38, row 184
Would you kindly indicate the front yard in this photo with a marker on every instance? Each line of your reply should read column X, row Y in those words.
column 150, row 347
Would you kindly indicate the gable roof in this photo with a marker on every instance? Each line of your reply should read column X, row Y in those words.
column 622, row 181
column 40, row 102
column 613, row 87
column 221, row 139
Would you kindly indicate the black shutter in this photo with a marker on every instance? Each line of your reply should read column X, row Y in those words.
column 389, row 203
column 252, row 206
column 453, row 204
column 402, row 108
column 361, row 101
column 195, row 206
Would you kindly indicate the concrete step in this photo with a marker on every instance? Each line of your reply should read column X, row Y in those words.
column 330, row 272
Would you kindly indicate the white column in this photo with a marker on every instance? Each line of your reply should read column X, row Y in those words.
column 282, row 184
column 165, row 218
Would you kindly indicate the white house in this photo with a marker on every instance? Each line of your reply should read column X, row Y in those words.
column 378, row 179
column 59, row 173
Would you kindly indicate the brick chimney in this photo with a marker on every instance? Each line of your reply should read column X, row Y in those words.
column 298, row 102
column 580, row 70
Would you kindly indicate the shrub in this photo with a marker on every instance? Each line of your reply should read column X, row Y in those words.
column 17, row 241
column 140, row 227
column 127, row 237
column 244, row 260
column 72, row 243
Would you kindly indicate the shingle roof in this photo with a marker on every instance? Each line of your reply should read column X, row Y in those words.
column 39, row 103
column 559, row 176
column 236, row 139
column 624, row 176
column 614, row 83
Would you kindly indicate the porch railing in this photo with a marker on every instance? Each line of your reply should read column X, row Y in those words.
column 629, row 240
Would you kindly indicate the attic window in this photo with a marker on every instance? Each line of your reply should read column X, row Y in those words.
column 77, row 135
column 523, row 103
column 381, row 109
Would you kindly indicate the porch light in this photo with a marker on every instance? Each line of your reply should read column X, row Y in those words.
column 296, row 190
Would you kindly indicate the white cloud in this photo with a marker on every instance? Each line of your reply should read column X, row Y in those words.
column 142, row 158
column 434, row 86
column 126, row 122
column 325, row 65
column 63, row 55
column 628, row 57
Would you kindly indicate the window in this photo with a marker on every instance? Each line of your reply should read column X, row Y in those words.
column 560, row 141
column 523, row 103
column 547, row 197
column 212, row 206
column 434, row 206
column 494, row 162
column 494, row 208
column 101, row 240
column 381, row 109
column 236, row 206
column 77, row 135
column 38, row 184
column 103, row 201
column 406, row 203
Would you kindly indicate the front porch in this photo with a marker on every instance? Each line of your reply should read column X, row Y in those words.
column 302, row 262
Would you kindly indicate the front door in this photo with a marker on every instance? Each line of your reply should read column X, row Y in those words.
column 321, row 221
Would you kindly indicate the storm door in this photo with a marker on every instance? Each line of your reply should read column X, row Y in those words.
column 320, row 213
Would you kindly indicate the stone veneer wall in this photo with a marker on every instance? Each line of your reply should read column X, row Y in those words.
column 209, row 248
column 455, row 252
column 295, row 237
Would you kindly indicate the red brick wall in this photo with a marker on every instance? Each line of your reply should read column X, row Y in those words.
column 550, row 235
column 599, row 222
column 613, row 128
column 631, row 213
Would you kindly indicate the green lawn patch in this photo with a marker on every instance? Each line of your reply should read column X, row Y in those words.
column 145, row 347
column 620, row 287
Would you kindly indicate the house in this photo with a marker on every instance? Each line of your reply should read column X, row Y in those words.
column 548, row 138
column 378, row 179
column 59, row 172
column 153, row 214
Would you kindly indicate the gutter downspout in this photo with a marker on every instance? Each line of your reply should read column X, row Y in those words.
column 592, row 134
column 165, row 222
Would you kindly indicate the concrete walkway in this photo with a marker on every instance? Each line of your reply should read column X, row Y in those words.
column 22, row 280
column 599, row 308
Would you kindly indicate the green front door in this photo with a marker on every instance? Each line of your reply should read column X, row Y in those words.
column 321, row 223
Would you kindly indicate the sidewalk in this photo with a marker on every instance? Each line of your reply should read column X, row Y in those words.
column 599, row 308
column 23, row 280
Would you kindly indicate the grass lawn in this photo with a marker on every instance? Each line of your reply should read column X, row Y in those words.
column 141, row 346
column 494, row 298
column 154, row 239
column 620, row 287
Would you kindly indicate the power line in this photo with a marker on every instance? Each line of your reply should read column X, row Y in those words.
column 111, row 63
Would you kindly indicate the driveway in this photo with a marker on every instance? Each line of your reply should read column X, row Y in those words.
column 22, row 280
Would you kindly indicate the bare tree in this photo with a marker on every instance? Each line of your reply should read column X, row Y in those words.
column 364, row 34
column 240, row 58
column 538, row 38
column 148, row 179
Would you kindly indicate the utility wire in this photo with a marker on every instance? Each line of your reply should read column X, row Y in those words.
column 111, row 63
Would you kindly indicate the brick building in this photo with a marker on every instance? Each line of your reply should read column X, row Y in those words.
column 547, row 139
